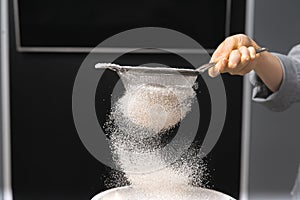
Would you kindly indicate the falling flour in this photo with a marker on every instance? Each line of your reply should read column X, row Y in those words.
column 138, row 121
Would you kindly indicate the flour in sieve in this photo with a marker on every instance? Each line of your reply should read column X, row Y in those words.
column 156, row 107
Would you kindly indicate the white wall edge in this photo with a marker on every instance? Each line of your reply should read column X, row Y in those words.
column 246, row 118
column 5, row 115
column 111, row 50
column 228, row 18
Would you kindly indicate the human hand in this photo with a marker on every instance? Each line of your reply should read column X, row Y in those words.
column 235, row 55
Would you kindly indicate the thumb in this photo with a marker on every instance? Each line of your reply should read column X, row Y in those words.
column 218, row 68
column 213, row 72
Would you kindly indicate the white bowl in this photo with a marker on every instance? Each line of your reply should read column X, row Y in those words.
column 187, row 193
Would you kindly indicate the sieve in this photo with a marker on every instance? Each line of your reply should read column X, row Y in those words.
column 162, row 70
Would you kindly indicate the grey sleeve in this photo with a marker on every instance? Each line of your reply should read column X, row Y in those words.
column 289, row 90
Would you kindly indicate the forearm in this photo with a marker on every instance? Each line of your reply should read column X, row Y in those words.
column 269, row 70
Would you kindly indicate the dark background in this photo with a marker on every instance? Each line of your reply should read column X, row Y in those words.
column 49, row 161
column 87, row 23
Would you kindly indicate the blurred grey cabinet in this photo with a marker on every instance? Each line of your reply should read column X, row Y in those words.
column 275, row 137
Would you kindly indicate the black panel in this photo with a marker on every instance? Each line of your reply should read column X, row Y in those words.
column 48, row 159
column 78, row 23
column 224, row 160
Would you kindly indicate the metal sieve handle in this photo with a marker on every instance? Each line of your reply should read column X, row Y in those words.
column 205, row 67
